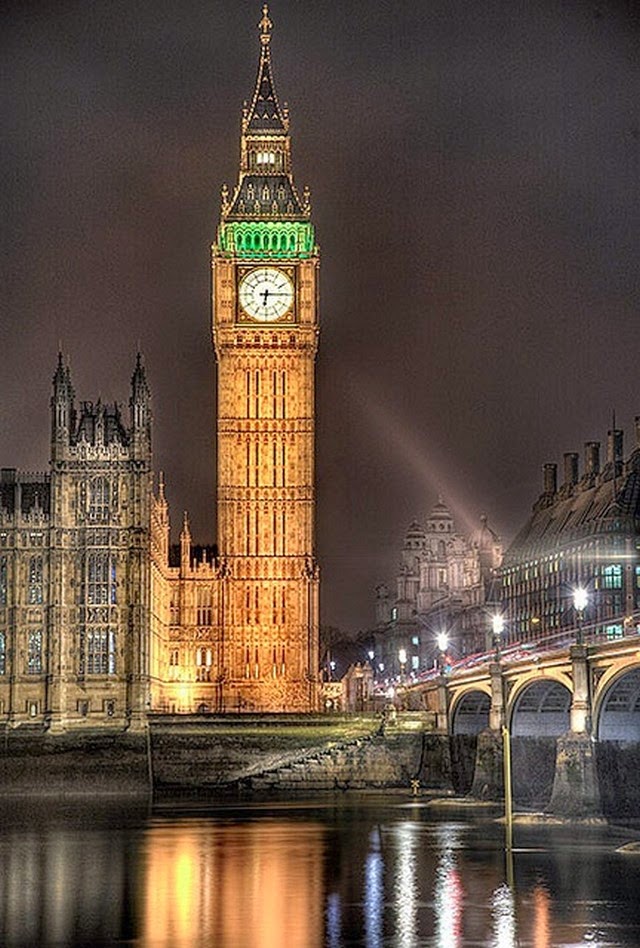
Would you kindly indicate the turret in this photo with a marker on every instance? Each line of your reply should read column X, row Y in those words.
column 185, row 546
column 62, row 410
column 140, row 405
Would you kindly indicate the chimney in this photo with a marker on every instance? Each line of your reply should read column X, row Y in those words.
column 550, row 478
column 615, row 443
column 592, row 457
column 570, row 468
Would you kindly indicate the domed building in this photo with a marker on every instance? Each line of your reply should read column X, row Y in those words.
column 445, row 583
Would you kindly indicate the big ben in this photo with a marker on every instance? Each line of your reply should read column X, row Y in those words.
column 265, row 331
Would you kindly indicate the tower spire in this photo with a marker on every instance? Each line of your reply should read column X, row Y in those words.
column 265, row 26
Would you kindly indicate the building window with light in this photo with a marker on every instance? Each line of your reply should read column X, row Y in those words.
column 3, row 653
column 203, row 607
column 101, row 579
column 99, row 500
column 612, row 576
column 35, row 591
column 34, row 653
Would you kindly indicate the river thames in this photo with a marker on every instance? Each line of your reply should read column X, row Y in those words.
column 357, row 870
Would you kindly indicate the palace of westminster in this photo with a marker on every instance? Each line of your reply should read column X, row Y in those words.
column 103, row 621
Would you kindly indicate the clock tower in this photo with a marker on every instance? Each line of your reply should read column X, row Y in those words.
column 265, row 332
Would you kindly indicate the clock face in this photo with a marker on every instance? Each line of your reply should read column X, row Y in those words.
column 266, row 294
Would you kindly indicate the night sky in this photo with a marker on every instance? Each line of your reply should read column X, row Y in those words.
column 474, row 170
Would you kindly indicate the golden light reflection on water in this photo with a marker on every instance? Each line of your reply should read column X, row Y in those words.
column 542, row 922
column 257, row 885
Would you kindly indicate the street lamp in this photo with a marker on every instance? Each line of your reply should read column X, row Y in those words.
column 497, row 623
column 402, row 658
column 332, row 666
column 580, row 603
column 443, row 643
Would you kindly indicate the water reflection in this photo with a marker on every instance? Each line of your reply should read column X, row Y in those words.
column 504, row 918
column 373, row 891
column 352, row 874
column 448, row 890
column 542, row 932
column 405, row 838
column 247, row 884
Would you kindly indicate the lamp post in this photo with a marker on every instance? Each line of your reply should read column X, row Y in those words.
column 402, row 658
column 580, row 603
column 497, row 624
column 443, row 643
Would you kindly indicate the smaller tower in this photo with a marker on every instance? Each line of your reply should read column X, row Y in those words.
column 140, row 406
column 62, row 409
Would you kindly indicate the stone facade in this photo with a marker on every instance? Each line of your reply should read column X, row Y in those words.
column 74, row 567
column 445, row 584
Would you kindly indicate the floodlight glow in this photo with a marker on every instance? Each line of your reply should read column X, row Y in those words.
column 443, row 641
column 402, row 656
column 497, row 621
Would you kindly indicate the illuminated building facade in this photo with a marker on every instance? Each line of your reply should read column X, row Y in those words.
column 584, row 532
column 445, row 584
column 74, row 567
column 100, row 619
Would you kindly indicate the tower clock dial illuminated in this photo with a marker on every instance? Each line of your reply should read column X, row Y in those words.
column 266, row 294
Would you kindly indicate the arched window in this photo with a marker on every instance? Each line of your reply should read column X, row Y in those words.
column 99, row 498
column 100, row 580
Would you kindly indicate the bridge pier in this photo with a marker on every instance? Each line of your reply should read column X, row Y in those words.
column 488, row 776
column 488, row 780
column 576, row 789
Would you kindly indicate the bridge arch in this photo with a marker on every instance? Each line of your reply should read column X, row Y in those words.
column 470, row 711
column 540, row 706
column 616, row 711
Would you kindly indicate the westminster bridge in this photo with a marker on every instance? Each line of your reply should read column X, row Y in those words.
column 568, row 710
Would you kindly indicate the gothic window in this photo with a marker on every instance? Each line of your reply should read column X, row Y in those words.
column 203, row 607
column 34, row 653
column 35, row 581
column 3, row 653
column 203, row 664
column 100, row 652
column 101, row 579
column 174, row 657
column 3, row 580
column 99, row 500
column 250, row 192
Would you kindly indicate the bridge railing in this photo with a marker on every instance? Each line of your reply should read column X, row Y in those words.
column 610, row 631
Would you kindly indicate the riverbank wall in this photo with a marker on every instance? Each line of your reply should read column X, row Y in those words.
column 210, row 757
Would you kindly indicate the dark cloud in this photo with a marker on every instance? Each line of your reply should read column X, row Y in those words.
column 474, row 169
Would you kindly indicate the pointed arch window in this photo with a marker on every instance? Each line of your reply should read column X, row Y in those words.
column 35, row 592
column 99, row 500
column 34, row 652
column 101, row 579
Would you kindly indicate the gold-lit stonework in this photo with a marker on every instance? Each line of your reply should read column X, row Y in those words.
column 246, row 620
column 101, row 619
